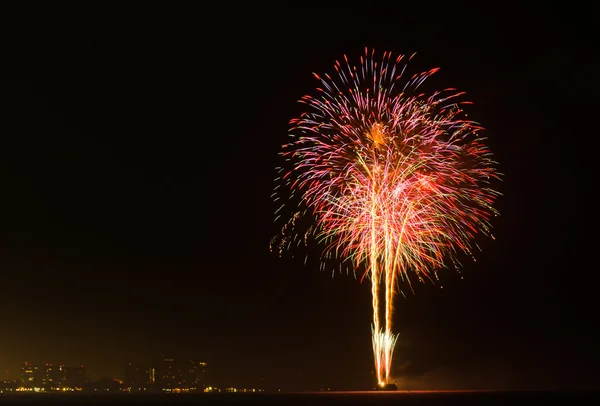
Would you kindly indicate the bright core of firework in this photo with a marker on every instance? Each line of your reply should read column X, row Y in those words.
column 394, row 181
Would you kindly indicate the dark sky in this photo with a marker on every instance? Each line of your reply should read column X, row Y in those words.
column 137, row 158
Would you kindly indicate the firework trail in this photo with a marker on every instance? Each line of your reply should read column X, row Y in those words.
column 394, row 182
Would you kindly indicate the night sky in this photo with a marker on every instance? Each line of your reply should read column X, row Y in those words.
column 137, row 156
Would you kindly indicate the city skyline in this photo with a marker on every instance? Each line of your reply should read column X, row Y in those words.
column 163, row 375
column 138, row 156
column 158, row 358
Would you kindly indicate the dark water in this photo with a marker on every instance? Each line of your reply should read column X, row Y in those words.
column 325, row 398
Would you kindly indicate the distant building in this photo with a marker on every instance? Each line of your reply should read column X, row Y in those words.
column 139, row 378
column 195, row 376
column 52, row 377
column 31, row 376
column 171, row 376
column 182, row 376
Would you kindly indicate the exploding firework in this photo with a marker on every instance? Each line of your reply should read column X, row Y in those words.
column 395, row 182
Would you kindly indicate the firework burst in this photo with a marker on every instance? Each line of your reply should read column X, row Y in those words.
column 395, row 182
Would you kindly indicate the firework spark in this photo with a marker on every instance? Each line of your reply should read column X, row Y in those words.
column 395, row 182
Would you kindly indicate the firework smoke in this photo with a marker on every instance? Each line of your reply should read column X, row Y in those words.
column 395, row 182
